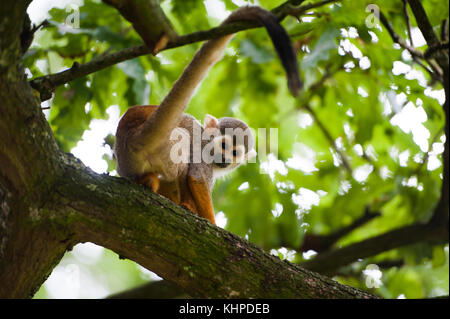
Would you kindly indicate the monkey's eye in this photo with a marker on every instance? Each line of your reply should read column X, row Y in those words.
column 224, row 146
column 235, row 153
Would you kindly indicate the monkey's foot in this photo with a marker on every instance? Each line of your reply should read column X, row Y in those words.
column 150, row 180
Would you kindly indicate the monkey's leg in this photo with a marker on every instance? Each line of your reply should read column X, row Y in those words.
column 201, row 193
column 187, row 200
column 150, row 180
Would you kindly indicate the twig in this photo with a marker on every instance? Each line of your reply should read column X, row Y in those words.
column 427, row 154
column 327, row 134
column 415, row 53
column 408, row 22
column 433, row 73
column 397, row 39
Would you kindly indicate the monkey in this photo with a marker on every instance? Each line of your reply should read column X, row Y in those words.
column 147, row 135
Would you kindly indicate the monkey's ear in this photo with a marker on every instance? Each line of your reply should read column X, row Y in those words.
column 210, row 122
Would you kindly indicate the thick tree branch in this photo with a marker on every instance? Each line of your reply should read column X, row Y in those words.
column 204, row 260
column 148, row 20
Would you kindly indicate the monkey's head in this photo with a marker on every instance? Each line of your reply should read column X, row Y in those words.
column 232, row 141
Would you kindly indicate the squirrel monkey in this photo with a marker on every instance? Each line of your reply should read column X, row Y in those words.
column 149, row 138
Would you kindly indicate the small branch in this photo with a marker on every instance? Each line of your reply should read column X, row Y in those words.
column 149, row 21
column 320, row 243
column 356, row 272
column 397, row 39
column 441, row 212
column 408, row 21
column 434, row 74
column 415, row 53
column 428, row 33
column 331, row 140
column 427, row 154
column 329, row 261
column 47, row 84
column 423, row 23
column 202, row 259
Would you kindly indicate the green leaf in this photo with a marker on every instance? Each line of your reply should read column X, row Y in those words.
column 322, row 48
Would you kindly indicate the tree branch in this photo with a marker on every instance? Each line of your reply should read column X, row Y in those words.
column 397, row 39
column 329, row 261
column 148, row 20
column 320, row 243
column 437, row 73
column 408, row 22
column 204, row 260
column 47, row 84
column 331, row 140
column 423, row 23
column 433, row 49
column 428, row 33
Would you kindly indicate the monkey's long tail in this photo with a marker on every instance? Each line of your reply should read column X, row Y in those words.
column 280, row 40
column 159, row 126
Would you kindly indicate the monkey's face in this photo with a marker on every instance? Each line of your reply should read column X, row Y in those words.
column 226, row 153
column 233, row 145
